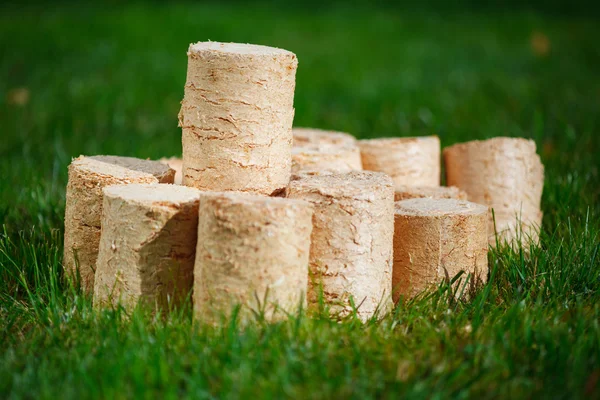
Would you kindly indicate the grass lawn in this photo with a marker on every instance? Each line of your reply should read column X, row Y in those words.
column 108, row 80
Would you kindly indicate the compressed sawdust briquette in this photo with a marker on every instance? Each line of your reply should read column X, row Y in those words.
column 323, row 157
column 413, row 161
column 147, row 245
column 434, row 240
column 505, row 174
column 311, row 136
column 162, row 174
column 236, row 117
column 83, row 209
column 405, row 192
column 351, row 243
column 252, row 252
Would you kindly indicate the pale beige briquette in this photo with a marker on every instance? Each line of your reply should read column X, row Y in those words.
column 147, row 245
column 323, row 157
column 413, row 161
column 304, row 174
column 311, row 136
column 435, row 239
column 505, row 174
column 164, row 175
column 351, row 243
column 252, row 251
column 405, row 192
column 236, row 117
column 177, row 165
column 83, row 209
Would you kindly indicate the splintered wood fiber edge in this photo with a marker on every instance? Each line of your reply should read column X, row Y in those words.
column 311, row 136
column 435, row 239
column 252, row 251
column 323, row 157
column 83, row 209
column 505, row 174
column 176, row 164
column 405, row 192
column 236, row 117
column 411, row 161
column 351, row 243
column 147, row 246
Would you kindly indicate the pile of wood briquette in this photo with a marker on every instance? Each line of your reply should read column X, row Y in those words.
column 272, row 218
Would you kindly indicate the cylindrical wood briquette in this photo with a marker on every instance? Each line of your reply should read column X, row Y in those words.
column 147, row 245
column 351, row 243
column 505, row 174
column 435, row 239
column 253, row 252
column 335, row 158
column 236, row 117
column 413, row 161
column 162, row 174
column 311, row 136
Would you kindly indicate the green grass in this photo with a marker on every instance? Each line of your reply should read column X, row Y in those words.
column 108, row 80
